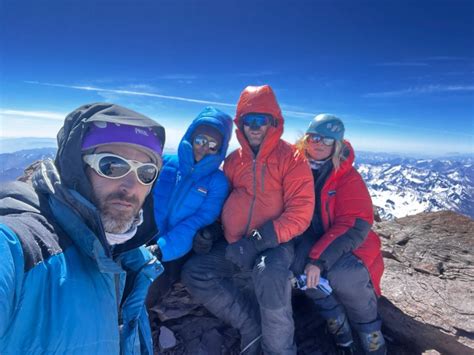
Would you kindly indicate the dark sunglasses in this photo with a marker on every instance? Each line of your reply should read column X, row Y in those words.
column 256, row 120
column 202, row 140
column 113, row 166
column 316, row 138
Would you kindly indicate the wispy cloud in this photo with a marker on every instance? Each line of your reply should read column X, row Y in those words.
column 108, row 92
column 447, row 58
column 419, row 90
column 24, row 123
column 402, row 64
column 32, row 114
column 134, row 93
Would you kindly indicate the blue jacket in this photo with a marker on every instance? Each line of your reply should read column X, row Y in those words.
column 60, row 288
column 189, row 195
column 63, row 288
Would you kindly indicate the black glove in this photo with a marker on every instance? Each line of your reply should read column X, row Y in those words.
column 244, row 252
column 205, row 237
column 156, row 251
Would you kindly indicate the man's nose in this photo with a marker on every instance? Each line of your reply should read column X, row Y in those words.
column 205, row 148
column 254, row 126
column 129, row 181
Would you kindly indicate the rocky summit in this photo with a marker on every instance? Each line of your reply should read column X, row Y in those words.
column 427, row 303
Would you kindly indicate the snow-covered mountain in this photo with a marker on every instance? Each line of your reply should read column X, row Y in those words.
column 402, row 186
column 399, row 186
column 13, row 164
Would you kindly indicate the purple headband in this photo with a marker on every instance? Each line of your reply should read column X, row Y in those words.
column 101, row 132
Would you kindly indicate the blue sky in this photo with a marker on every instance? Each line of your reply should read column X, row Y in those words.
column 399, row 73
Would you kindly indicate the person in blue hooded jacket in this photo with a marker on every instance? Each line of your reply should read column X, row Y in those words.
column 74, row 272
column 189, row 194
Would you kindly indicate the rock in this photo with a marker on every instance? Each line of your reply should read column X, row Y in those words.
column 211, row 343
column 167, row 339
column 427, row 305
column 427, row 285
column 178, row 305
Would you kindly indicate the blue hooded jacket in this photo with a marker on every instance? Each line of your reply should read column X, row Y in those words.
column 189, row 195
column 63, row 288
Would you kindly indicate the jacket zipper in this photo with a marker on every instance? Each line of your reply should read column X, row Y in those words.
column 117, row 296
column 254, row 170
column 263, row 176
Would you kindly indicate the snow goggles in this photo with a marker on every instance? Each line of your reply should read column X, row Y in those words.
column 256, row 120
column 316, row 138
column 202, row 140
column 113, row 166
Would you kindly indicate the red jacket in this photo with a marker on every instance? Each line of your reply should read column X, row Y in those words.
column 275, row 187
column 347, row 214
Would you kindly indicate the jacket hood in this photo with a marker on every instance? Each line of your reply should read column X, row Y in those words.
column 259, row 99
column 212, row 117
column 69, row 158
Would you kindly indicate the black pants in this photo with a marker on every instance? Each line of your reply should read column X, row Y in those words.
column 223, row 289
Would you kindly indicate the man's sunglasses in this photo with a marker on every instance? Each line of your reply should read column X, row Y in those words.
column 113, row 166
column 202, row 140
column 256, row 120
column 316, row 138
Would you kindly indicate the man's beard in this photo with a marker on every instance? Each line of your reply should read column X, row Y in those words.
column 118, row 222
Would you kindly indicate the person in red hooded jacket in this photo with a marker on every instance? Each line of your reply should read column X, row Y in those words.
column 271, row 202
column 343, row 248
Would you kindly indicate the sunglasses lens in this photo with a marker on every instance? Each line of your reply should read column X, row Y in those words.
column 203, row 140
column 328, row 141
column 113, row 166
column 316, row 138
column 254, row 119
column 200, row 140
column 147, row 173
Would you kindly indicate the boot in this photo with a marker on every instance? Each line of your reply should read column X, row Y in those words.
column 346, row 350
column 371, row 337
column 340, row 329
column 337, row 322
column 373, row 343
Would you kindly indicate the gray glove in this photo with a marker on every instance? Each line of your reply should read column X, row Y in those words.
column 205, row 238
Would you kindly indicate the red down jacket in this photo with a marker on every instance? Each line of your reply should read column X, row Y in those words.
column 347, row 214
column 276, row 186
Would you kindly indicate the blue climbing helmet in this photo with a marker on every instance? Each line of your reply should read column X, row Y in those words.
column 327, row 126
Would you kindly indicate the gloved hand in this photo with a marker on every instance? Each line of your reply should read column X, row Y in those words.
column 205, row 237
column 244, row 252
column 156, row 251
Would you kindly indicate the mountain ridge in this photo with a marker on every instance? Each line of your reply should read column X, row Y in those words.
column 399, row 185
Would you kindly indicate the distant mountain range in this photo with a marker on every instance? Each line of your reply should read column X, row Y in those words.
column 399, row 186
column 402, row 186
column 13, row 164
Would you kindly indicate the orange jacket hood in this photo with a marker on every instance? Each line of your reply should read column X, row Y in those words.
column 259, row 99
